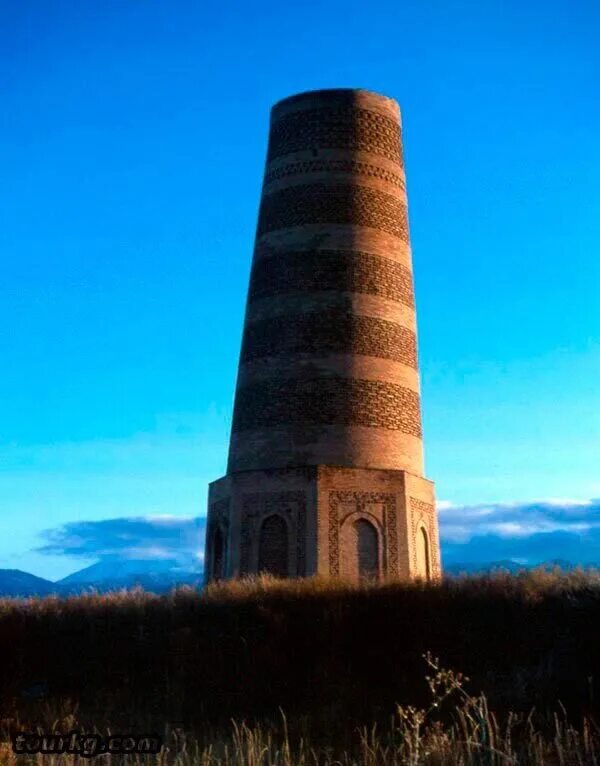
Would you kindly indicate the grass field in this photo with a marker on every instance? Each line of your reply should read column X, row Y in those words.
column 215, row 672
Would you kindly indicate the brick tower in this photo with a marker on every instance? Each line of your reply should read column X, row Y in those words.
column 325, row 471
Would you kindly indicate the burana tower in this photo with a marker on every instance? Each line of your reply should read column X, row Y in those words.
column 325, row 471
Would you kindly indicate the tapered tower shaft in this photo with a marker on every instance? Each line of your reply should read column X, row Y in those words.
column 325, row 469
column 328, row 366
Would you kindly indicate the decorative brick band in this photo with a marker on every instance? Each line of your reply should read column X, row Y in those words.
column 340, row 270
column 334, row 330
column 348, row 128
column 335, row 166
column 334, row 535
column 333, row 204
column 327, row 401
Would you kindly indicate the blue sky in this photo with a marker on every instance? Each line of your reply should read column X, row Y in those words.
column 132, row 142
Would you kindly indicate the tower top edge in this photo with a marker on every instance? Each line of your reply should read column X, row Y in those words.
column 335, row 97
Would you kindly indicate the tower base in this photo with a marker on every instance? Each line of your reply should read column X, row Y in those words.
column 325, row 520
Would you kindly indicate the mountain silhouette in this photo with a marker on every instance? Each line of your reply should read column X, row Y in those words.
column 155, row 576
column 14, row 582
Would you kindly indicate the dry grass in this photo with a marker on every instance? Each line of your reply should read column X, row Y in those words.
column 472, row 736
column 343, row 661
column 532, row 584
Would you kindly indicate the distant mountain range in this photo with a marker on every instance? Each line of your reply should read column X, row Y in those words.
column 160, row 576
column 509, row 565
column 155, row 576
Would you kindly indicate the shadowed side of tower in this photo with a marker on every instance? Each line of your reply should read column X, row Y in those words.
column 326, row 458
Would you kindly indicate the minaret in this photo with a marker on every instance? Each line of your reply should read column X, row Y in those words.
column 325, row 470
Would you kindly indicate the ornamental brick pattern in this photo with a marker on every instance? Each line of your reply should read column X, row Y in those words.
column 355, row 167
column 338, row 270
column 333, row 204
column 349, row 128
column 423, row 515
column 379, row 508
column 334, row 330
column 321, row 401
column 326, row 453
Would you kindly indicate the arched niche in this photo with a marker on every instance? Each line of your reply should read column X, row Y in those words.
column 423, row 554
column 219, row 554
column 273, row 546
column 366, row 549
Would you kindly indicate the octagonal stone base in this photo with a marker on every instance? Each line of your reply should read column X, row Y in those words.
column 326, row 520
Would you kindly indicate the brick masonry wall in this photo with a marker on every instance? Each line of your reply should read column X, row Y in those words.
column 345, row 237
column 334, row 165
column 336, row 270
column 301, row 443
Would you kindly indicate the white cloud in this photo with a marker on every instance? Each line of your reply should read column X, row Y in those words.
column 177, row 539
column 534, row 531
